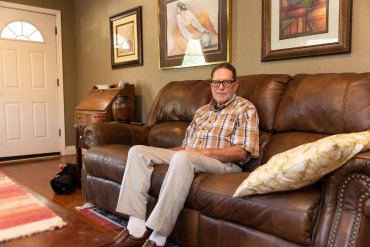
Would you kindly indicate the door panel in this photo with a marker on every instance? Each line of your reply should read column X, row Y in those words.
column 13, row 121
column 10, row 62
column 40, row 118
column 29, row 110
column 38, row 69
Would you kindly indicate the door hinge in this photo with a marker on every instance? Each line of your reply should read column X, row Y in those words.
column 60, row 132
column 58, row 82
column 56, row 31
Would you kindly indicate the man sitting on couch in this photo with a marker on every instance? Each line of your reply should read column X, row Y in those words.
column 222, row 136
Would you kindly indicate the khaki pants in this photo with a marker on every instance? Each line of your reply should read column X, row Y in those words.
column 183, row 165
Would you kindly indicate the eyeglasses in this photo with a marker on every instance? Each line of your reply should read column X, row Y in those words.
column 225, row 83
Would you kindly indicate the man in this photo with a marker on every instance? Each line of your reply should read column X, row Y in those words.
column 222, row 136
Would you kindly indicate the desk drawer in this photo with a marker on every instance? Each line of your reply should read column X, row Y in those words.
column 82, row 118
column 93, row 117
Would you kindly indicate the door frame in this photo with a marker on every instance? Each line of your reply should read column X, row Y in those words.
column 58, row 39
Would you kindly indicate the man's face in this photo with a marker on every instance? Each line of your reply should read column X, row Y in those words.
column 221, row 94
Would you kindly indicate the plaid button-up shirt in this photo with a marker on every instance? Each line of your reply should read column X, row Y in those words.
column 234, row 123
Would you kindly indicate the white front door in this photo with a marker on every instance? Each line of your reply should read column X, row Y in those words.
column 29, row 96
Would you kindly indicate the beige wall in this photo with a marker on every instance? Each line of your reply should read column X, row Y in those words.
column 93, row 48
column 86, row 50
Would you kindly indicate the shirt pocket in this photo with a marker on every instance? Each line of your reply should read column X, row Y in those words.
column 224, row 126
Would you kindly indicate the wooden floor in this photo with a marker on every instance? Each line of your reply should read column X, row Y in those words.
column 35, row 175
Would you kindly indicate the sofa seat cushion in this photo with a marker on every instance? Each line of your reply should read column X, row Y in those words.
column 158, row 175
column 107, row 161
column 288, row 215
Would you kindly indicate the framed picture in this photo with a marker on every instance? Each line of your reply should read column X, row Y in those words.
column 193, row 32
column 303, row 28
column 126, row 38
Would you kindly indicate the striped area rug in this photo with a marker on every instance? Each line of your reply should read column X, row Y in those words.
column 110, row 220
column 21, row 214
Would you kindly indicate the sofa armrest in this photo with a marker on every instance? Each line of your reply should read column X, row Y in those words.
column 115, row 133
column 345, row 205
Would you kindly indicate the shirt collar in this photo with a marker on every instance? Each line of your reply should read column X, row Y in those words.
column 213, row 104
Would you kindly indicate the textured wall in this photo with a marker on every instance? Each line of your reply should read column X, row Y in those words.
column 86, row 50
column 93, row 48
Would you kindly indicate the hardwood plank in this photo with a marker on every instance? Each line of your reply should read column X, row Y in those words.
column 35, row 176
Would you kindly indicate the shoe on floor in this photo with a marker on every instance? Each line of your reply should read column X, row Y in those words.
column 124, row 239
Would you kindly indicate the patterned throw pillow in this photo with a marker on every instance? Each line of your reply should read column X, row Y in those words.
column 304, row 165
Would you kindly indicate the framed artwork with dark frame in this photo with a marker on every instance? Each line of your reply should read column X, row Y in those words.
column 126, row 38
column 194, row 33
column 303, row 28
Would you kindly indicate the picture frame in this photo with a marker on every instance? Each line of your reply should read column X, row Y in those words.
column 194, row 33
column 126, row 38
column 304, row 28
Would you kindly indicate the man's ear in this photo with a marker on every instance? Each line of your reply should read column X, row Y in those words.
column 236, row 84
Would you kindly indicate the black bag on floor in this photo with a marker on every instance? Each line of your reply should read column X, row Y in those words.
column 65, row 182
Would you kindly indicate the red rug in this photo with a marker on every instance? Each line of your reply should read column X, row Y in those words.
column 21, row 214
column 108, row 219
column 104, row 217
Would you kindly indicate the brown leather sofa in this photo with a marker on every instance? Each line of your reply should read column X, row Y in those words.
column 293, row 110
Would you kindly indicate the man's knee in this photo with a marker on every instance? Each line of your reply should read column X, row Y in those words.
column 181, row 160
column 136, row 149
column 180, row 155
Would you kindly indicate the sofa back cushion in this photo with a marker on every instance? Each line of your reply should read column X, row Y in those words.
column 173, row 109
column 265, row 92
column 167, row 134
column 325, row 103
column 315, row 106
column 178, row 101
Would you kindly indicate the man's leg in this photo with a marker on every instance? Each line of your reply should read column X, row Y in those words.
column 176, row 186
column 135, row 186
column 136, row 179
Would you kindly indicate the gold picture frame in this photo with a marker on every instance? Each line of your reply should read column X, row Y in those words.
column 194, row 33
column 126, row 38
column 304, row 28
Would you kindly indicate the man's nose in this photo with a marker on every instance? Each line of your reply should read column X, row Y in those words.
column 221, row 85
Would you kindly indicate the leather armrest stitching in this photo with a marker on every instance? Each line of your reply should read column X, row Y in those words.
column 359, row 210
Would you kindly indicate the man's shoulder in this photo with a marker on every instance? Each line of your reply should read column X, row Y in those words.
column 203, row 108
column 240, row 101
